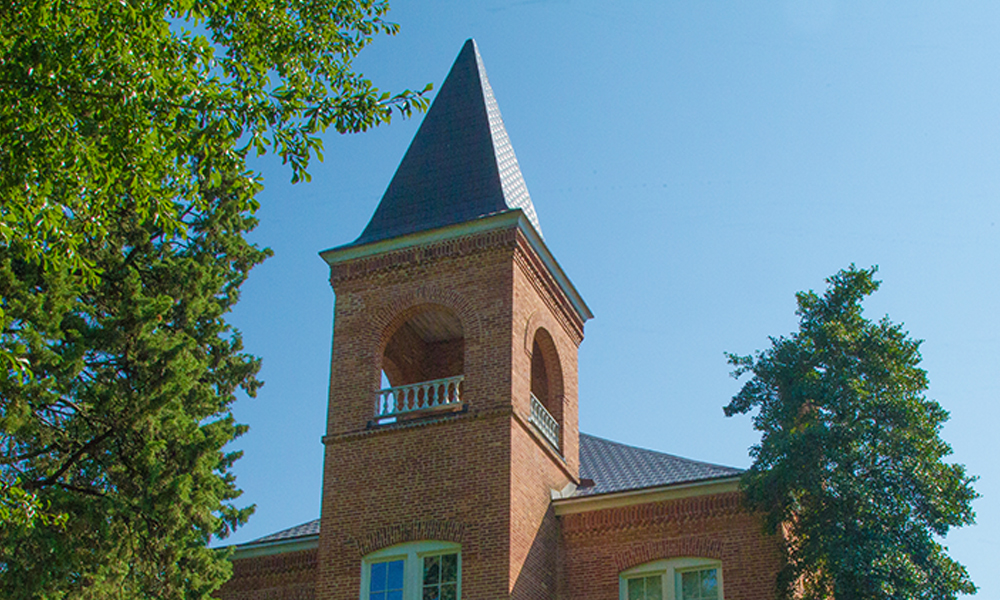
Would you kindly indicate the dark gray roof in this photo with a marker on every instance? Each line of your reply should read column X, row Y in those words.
column 459, row 167
column 612, row 466
column 303, row 530
column 616, row 467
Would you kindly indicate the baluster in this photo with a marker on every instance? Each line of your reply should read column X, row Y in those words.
column 426, row 395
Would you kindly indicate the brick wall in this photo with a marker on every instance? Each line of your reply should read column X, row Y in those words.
column 443, row 477
column 289, row 576
column 483, row 476
column 545, row 331
column 601, row 544
column 539, row 305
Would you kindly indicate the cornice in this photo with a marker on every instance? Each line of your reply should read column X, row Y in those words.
column 486, row 233
column 463, row 245
column 273, row 547
column 574, row 505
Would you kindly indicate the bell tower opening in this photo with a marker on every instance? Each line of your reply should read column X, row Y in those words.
column 546, row 388
column 424, row 365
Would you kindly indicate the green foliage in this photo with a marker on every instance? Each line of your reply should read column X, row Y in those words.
column 850, row 465
column 122, row 423
column 145, row 101
column 125, row 127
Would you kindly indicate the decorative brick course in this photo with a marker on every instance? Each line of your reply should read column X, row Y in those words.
column 448, row 531
column 601, row 544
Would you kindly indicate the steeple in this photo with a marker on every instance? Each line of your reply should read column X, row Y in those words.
column 459, row 167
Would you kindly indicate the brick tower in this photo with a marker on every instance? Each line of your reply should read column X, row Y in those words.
column 454, row 467
column 441, row 481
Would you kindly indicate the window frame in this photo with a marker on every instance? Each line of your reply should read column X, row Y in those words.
column 668, row 569
column 412, row 555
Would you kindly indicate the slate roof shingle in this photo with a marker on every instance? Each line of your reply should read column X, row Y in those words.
column 459, row 167
column 612, row 466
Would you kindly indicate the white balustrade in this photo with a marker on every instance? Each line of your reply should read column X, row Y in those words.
column 395, row 401
column 544, row 422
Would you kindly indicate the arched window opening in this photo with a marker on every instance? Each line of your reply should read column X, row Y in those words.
column 424, row 364
column 546, row 388
column 413, row 571
column 539, row 377
column 673, row 579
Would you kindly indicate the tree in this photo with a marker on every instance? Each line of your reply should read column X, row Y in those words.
column 124, row 200
column 850, row 463
column 143, row 101
column 123, row 421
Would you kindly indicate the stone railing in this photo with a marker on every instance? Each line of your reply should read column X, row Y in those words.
column 544, row 422
column 426, row 395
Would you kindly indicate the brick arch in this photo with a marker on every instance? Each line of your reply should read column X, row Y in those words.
column 539, row 327
column 539, row 319
column 413, row 531
column 642, row 553
column 384, row 320
column 552, row 360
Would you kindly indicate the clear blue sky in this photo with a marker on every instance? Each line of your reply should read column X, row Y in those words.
column 693, row 165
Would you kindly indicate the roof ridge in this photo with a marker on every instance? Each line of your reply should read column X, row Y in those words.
column 515, row 190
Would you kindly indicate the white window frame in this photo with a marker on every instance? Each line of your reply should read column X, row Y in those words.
column 412, row 554
column 668, row 569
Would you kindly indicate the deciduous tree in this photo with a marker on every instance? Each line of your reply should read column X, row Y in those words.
column 851, row 465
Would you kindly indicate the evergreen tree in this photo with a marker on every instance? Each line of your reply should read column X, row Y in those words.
column 122, row 424
column 850, row 465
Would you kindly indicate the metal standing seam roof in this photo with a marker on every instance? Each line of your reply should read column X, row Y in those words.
column 303, row 530
column 617, row 467
column 459, row 167
column 612, row 466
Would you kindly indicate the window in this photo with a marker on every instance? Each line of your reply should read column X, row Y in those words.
column 427, row 570
column 673, row 579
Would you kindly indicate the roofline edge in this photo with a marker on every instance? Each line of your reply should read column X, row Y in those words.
column 568, row 506
column 272, row 547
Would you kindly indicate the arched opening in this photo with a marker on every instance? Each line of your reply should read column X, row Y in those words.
column 413, row 570
column 685, row 578
column 423, row 364
column 546, row 388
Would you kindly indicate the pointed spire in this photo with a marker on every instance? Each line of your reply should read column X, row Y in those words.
column 459, row 167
